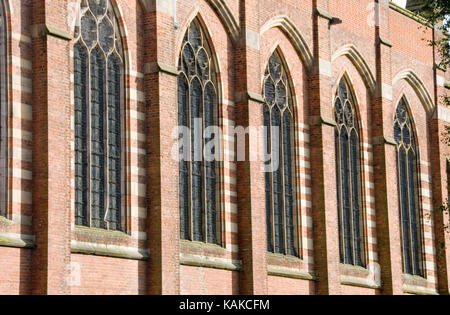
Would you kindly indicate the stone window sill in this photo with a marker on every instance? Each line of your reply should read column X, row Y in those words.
column 417, row 285
column 112, row 251
column 196, row 254
column 359, row 282
column 279, row 271
column 204, row 249
column 16, row 241
column 357, row 276
column 288, row 267
column 93, row 233
column 98, row 242
column 4, row 221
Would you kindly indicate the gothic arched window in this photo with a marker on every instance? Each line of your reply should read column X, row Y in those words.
column 280, row 179
column 198, row 110
column 408, row 189
column 3, row 113
column 98, row 76
column 348, row 169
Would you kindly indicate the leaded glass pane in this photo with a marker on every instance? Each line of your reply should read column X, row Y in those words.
column 89, row 29
column 197, row 163
column 277, row 188
column 339, row 193
column 269, row 92
column 414, row 216
column 203, row 65
column 98, row 7
column 346, row 197
column 288, row 184
column 268, row 179
column 343, row 91
column 397, row 133
column 281, row 95
column 106, row 35
column 195, row 36
column 81, row 153
column 406, row 137
column 404, row 205
column 339, row 111
column 348, row 114
column 183, row 101
column 354, row 160
column 188, row 60
column 211, row 179
column 402, row 113
column 114, row 142
column 98, row 153
column 275, row 67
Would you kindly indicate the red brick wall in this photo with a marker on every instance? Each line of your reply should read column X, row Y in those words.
column 204, row 281
column 286, row 286
column 110, row 276
column 15, row 271
column 242, row 35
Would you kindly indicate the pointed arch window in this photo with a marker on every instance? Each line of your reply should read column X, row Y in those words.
column 3, row 113
column 98, row 77
column 198, row 110
column 348, row 168
column 280, row 180
column 408, row 189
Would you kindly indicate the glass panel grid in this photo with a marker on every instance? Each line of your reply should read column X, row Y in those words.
column 98, row 76
column 348, row 171
column 408, row 190
column 197, row 110
column 280, row 182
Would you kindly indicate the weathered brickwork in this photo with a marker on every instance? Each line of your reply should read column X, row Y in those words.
column 379, row 48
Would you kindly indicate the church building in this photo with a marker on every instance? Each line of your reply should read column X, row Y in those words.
column 222, row 147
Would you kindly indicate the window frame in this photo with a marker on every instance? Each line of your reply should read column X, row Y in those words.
column 417, row 188
column 296, row 209
column 214, row 82
column 118, row 52
column 351, row 99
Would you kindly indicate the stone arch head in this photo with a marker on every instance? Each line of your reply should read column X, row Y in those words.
column 418, row 86
column 221, row 7
column 351, row 52
column 295, row 37
column 227, row 18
